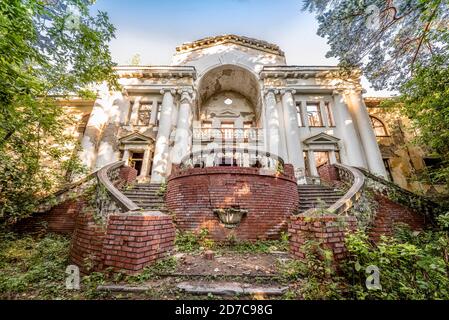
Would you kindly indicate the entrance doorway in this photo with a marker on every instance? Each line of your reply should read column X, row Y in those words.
column 136, row 161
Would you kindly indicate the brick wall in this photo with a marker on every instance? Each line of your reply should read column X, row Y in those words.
column 87, row 243
column 60, row 219
column 389, row 214
column 193, row 194
column 328, row 230
column 328, row 173
column 128, row 242
column 135, row 241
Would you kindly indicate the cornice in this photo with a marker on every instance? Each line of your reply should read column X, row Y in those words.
column 230, row 38
column 306, row 72
column 169, row 72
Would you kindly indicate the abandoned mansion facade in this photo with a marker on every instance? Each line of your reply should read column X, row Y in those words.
column 232, row 140
column 231, row 100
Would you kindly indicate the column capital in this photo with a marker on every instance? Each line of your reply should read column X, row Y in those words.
column 186, row 95
column 171, row 90
column 284, row 91
column 271, row 90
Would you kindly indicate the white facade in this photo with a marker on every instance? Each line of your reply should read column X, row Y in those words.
column 231, row 92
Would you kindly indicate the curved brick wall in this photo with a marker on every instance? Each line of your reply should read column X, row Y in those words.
column 270, row 200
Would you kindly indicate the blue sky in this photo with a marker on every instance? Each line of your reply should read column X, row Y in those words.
column 154, row 28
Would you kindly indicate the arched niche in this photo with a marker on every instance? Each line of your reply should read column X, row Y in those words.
column 231, row 90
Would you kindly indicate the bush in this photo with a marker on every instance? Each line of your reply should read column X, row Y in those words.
column 35, row 267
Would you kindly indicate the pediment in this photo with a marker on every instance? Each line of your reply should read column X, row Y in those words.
column 321, row 138
column 136, row 138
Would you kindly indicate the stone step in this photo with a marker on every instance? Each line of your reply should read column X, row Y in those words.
column 139, row 196
column 221, row 288
column 317, row 199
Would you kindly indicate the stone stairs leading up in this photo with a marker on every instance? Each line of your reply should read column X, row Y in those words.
column 146, row 196
column 317, row 196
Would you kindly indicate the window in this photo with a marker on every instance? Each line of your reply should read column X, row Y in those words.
column 314, row 114
column 379, row 127
column 299, row 114
column 330, row 116
column 144, row 114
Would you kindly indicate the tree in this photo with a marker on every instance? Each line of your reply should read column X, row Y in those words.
column 388, row 39
column 400, row 45
column 425, row 100
column 48, row 49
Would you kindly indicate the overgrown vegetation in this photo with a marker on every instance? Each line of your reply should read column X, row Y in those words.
column 50, row 50
column 412, row 266
column 195, row 242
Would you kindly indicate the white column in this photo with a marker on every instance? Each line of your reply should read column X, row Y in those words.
column 108, row 145
column 145, row 164
column 134, row 118
column 283, row 150
column 183, row 128
column 126, row 157
column 312, row 163
column 92, row 135
column 294, row 147
column 368, row 138
column 332, row 157
column 161, row 153
column 353, row 153
column 273, row 123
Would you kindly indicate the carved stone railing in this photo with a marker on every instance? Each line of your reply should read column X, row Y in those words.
column 109, row 199
column 356, row 180
column 228, row 134
column 69, row 192
column 232, row 157
column 417, row 202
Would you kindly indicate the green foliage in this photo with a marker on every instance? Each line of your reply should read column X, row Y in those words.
column 425, row 100
column 194, row 242
column 152, row 272
column 412, row 266
column 35, row 267
column 191, row 242
column 44, row 55
column 386, row 39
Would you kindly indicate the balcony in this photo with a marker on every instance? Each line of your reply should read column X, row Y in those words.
column 228, row 135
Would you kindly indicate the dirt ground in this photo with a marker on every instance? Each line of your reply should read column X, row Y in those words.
column 230, row 264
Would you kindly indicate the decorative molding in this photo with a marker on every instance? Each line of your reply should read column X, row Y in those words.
column 230, row 38
column 287, row 90
column 148, row 72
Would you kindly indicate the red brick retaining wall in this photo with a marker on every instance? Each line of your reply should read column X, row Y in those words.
column 87, row 243
column 328, row 230
column 128, row 243
column 133, row 242
column 193, row 194
column 389, row 214
column 60, row 219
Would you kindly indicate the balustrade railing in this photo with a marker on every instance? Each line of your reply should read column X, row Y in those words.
column 233, row 157
column 228, row 134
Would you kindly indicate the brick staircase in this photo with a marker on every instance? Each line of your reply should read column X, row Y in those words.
column 146, row 196
column 316, row 196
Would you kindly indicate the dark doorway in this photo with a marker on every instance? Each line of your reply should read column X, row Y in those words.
column 136, row 161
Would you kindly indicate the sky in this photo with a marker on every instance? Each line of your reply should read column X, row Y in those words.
column 154, row 28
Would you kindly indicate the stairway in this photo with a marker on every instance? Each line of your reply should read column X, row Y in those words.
column 317, row 196
column 146, row 196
